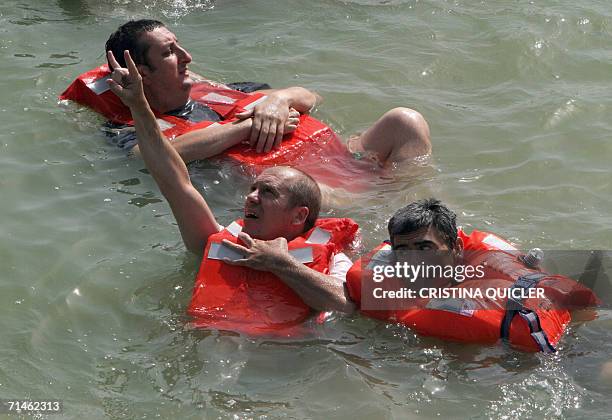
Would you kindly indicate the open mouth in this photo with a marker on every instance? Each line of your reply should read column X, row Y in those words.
column 250, row 215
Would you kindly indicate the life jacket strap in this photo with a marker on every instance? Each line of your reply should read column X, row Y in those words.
column 515, row 306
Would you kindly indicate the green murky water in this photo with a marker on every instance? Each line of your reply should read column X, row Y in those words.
column 95, row 279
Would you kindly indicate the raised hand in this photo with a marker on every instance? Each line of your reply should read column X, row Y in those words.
column 126, row 83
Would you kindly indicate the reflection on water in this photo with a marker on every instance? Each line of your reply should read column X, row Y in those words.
column 169, row 9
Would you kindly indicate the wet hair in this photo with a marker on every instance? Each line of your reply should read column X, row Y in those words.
column 127, row 36
column 303, row 191
column 422, row 214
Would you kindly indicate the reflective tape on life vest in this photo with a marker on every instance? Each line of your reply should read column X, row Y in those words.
column 515, row 306
column 303, row 145
column 541, row 321
column 497, row 242
column 220, row 251
column 255, row 302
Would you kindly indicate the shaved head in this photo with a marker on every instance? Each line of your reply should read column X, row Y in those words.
column 303, row 191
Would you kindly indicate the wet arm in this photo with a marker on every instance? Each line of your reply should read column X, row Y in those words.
column 209, row 141
column 195, row 219
column 319, row 291
column 295, row 97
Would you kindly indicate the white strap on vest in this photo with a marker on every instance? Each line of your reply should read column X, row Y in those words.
column 498, row 243
column 163, row 124
column 319, row 236
column 99, row 86
column 218, row 98
column 250, row 106
column 219, row 251
column 234, row 228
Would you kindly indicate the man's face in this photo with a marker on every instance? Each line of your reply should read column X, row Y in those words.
column 266, row 209
column 424, row 239
column 431, row 242
column 165, row 77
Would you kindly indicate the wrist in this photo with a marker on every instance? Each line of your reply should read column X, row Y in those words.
column 140, row 106
column 282, row 97
column 244, row 128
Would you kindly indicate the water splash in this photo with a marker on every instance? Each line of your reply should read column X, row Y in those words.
column 174, row 9
column 547, row 392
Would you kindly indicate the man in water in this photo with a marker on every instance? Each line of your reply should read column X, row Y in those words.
column 425, row 225
column 400, row 134
column 272, row 218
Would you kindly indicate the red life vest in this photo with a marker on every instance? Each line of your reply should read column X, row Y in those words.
column 91, row 89
column 252, row 302
column 533, row 324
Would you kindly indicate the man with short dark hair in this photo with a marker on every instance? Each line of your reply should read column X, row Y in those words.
column 424, row 225
column 163, row 64
column 281, row 206
column 475, row 287
column 400, row 134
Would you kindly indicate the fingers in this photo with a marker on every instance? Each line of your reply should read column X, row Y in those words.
column 270, row 123
column 130, row 63
column 112, row 60
column 270, row 138
column 263, row 136
column 255, row 131
column 118, row 76
column 114, row 87
column 236, row 247
column 244, row 251
column 246, row 239
column 243, row 263
column 244, row 115
column 292, row 122
column 279, row 137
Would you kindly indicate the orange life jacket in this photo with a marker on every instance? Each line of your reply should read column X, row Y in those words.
column 540, row 322
column 252, row 302
column 91, row 89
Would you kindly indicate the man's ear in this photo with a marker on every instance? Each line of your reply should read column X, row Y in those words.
column 459, row 244
column 300, row 214
column 458, row 250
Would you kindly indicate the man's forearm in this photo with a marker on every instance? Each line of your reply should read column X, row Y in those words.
column 164, row 163
column 194, row 218
column 296, row 97
column 317, row 290
column 211, row 141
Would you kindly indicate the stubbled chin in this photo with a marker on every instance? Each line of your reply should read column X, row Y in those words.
column 249, row 225
column 252, row 231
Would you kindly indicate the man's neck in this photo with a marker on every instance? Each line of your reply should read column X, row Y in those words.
column 162, row 105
